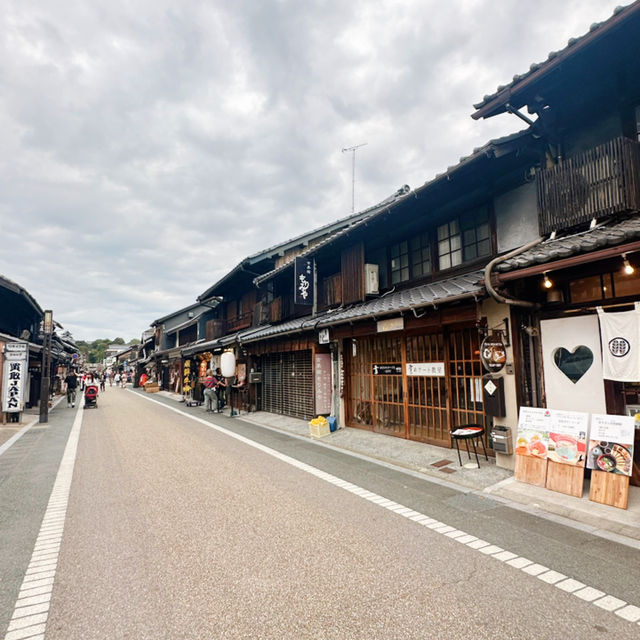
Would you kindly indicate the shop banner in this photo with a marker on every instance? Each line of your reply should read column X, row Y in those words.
column 568, row 437
column 15, row 376
column 611, row 444
column 620, row 337
column 303, row 285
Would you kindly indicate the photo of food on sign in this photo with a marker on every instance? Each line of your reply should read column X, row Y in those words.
column 567, row 449
column 533, row 432
column 610, row 457
column 611, row 444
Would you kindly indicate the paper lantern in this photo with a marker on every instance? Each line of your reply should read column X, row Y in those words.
column 228, row 364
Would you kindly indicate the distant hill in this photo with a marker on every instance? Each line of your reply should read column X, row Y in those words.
column 94, row 351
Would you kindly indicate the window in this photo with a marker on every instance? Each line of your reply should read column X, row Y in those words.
column 476, row 239
column 399, row 262
column 410, row 258
column 464, row 239
column 420, row 255
column 449, row 245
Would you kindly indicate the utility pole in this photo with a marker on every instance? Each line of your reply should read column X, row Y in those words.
column 45, row 379
column 353, row 173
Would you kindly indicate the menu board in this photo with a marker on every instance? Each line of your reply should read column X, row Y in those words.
column 323, row 383
column 534, row 425
column 568, row 437
column 611, row 444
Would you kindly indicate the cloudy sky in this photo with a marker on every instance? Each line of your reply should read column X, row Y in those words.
column 149, row 145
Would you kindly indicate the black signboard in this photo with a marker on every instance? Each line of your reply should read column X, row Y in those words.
column 387, row 369
column 303, row 281
column 493, row 353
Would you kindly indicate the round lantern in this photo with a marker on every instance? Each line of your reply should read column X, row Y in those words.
column 228, row 364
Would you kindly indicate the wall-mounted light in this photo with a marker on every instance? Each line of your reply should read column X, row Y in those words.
column 628, row 267
column 546, row 283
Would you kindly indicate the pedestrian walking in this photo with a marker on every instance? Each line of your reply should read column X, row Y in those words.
column 72, row 386
column 116, row 379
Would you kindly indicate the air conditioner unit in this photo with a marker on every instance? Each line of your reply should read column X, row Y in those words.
column 371, row 279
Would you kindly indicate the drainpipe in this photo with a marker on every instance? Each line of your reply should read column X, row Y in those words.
column 487, row 276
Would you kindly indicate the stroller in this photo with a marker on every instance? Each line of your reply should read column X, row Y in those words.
column 91, row 396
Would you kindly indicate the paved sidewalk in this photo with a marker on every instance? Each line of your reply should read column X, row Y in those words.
column 441, row 465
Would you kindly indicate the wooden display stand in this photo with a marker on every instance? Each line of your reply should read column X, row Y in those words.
column 152, row 387
column 531, row 470
column 609, row 488
column 565, row 478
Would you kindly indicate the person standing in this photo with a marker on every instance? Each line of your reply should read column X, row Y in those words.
column 209, row 391
column 221, row 389
column 72, row 386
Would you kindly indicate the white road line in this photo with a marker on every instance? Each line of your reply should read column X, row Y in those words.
column 545, row 574
column 32, row 607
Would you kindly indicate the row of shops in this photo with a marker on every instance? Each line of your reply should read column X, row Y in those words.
column 32, row 346
column 481, row 292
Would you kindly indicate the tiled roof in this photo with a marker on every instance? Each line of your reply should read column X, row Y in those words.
column 584, row 242
column 554, row 57
column 434, row 293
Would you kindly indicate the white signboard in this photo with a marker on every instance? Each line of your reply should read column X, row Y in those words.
column 611, row 444
column 15, row 351
column 534, row 425
column 434, row 369
column 323, row 336
column 14, row 376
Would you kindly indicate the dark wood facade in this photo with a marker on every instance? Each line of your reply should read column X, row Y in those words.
column 600, row 182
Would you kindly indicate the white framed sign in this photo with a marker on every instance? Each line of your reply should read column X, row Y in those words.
column 14, row 376
column 431, row 369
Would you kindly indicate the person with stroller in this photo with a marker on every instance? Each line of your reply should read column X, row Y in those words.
column 72, row 386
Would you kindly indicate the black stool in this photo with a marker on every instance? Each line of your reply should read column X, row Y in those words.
column 468, row 432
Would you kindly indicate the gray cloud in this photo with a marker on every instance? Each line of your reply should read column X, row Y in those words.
column 149, row 146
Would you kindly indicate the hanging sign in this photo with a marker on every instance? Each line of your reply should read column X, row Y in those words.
column 387, row 369
column 323, row 336
column 432, row 369
column 303, row 281
column 620, row 338
column 14, row 377
column 493, row 353
column 611, row 444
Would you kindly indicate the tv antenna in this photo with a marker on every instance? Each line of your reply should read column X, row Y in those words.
column 353, row 173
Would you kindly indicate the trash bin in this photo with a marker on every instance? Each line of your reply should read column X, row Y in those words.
column 333, row 423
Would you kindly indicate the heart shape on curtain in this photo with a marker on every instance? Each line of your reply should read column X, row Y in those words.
column 574, row 364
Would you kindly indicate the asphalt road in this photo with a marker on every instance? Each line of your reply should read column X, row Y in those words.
column 176, row 530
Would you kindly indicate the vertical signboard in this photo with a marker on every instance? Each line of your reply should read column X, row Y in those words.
column 14, row 376
column 303, row 284
column 323, row 383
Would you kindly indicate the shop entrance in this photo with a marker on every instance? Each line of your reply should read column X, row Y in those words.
column 414, row 386
column 287, row 386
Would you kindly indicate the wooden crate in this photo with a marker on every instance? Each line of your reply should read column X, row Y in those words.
column 152, row 387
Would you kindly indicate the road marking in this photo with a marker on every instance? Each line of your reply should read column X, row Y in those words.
column 545, row 574
column 32, row 606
